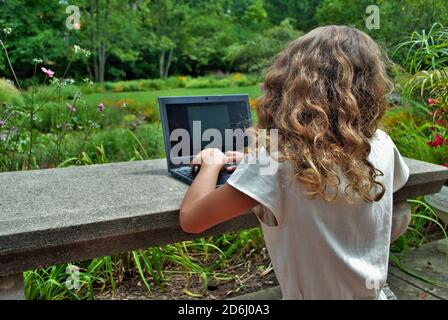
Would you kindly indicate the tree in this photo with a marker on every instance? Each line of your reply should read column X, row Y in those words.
column 37, row 31
column 301, row 13
column 109, row 27
column 210, row 30
column 397, row 17
column 164, row 22
column 256, row 53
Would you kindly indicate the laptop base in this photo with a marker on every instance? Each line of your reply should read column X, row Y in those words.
column 185, row 174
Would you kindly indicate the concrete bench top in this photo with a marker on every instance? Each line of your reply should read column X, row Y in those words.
column 64, row 215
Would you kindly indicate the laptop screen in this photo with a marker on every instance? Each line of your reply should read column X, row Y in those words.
column 211, row 115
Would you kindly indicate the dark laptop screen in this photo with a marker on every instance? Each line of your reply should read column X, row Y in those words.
column 218, row 115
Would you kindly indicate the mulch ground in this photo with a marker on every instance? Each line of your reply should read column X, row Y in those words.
column 251, row 274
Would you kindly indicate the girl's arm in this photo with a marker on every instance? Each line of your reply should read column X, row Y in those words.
column 204, row 206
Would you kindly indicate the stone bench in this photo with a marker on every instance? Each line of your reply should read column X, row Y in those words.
column 55, row 216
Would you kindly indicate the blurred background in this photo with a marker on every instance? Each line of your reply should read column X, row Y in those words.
column 160, row 38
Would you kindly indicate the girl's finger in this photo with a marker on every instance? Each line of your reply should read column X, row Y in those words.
column 231, row 169
column 197, row 160
column 234, row 156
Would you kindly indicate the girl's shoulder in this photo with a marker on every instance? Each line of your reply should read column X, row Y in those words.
column 381, row 135
column 381, row 141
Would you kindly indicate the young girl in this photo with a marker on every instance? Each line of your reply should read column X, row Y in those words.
column 326, row 213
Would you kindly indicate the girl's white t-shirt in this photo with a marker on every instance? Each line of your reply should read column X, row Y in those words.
column 319, row 249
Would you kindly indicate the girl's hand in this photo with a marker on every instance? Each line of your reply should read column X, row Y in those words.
column 215, row 158
column 233, row 157
column 209, row 158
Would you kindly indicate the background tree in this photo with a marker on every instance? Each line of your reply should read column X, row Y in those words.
column 254, row 54
column 110, row 27
column 132, row 39
column 397, row 18
column 36, row 33
column 302, row 14
column 166, row 21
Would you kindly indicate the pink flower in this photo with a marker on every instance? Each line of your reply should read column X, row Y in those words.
column 2, row 123
column 48, row 72
column 438, row 141
column 100, row 107
column 431, row 101
column 71, row 108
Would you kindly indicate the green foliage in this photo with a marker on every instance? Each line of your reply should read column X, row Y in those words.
column 426, row 50
column 37, row 32
column 425, row 90
column 397, row 18
column 162, row 38
column 302, row 13
column 159, row 38
column 9, row 93
column 411, row 133
column 256, row 53
column 210, row 81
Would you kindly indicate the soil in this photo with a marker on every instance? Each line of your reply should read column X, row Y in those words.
column 252, row 274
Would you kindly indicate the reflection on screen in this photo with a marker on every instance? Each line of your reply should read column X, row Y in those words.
column 210, row 117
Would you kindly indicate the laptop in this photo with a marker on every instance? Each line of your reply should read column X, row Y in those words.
column 193, row 123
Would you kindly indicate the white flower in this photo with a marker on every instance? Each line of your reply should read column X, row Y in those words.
column 37, row 60
column 7, row 31
column 68, row 81
column 87, row 53
column 80, row 51
column 88, row 81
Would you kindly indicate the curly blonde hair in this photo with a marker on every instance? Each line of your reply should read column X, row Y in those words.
column 325, row 94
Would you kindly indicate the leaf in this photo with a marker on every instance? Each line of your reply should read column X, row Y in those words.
column 191, row 294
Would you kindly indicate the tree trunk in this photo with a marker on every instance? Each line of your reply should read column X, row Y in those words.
column 99, row 47
column 94, row 37
column 168, row 64
column 162, row 64
column 165, row 63
column 101, row 61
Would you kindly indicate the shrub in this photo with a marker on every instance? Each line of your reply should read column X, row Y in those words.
column 117, row 87
column 210, row 81
column 426, row 91
column 151, row 115
column 411, row 133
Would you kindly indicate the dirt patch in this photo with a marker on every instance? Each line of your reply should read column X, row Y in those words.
column 252, row 274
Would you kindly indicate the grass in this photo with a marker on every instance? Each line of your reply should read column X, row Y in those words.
column 150, row 97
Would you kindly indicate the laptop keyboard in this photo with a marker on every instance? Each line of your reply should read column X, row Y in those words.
column 188, row 172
